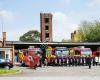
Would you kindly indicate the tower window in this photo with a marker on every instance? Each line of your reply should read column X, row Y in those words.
column 46, row 20
column 47, row 35
column 46, row 27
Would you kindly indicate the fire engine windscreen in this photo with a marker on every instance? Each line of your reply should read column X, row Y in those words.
column 61, row 51
column 86, row 51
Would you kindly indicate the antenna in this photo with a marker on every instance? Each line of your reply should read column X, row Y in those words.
column 1, row 18
column 2, row 23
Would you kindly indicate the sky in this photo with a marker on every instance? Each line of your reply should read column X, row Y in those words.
column 19, row 16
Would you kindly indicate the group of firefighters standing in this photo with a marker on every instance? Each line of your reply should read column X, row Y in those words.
column 40, row 59
column 70, row 61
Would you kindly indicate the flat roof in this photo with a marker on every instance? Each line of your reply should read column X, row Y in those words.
column 5, row 48
column 53, row 43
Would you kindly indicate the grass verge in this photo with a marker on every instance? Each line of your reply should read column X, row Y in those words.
column 4, row 71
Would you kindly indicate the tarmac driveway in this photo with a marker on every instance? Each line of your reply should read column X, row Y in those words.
column 58, row 71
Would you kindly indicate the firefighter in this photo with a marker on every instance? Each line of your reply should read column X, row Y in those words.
column 61, row 61
column 57, row 61
column 93, row 59
column 89, row 59
column 75, row 60
column 83, row 60
column 69, row 61
column 65, row 61
column 86, row 61
column 40, row 56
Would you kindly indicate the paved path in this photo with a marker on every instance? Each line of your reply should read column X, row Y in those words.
column 60, row 71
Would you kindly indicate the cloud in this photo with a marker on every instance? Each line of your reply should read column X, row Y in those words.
column 94, row 3
column 62, row 26
column 6, row 16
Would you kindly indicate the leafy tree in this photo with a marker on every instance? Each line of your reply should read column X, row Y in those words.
column 90, row 31
column 30, row 36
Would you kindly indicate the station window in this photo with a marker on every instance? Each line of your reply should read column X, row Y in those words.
column 2, row 54
column 7, row 56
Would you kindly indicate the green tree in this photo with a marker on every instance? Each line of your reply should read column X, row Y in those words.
column 90, row 31
column 30, row 36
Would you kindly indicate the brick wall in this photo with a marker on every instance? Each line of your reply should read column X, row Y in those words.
column 0, row 43
column 43, row 26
